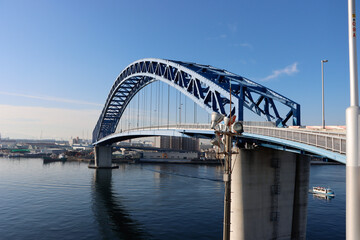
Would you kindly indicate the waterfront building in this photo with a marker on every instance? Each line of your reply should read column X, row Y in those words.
column 169, row 155
column 177, row 143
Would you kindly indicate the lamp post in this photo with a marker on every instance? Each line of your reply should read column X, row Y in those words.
column 227, row 181
column 323, row 107
column 352, row 136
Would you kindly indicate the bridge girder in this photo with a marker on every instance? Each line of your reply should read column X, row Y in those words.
column 208, row 86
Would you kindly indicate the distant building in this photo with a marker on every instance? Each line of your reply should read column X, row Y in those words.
column 78, row 140
column 33, row 146
column 78, row 146
column 169, row 155
column 7, row 143
column 177, row 143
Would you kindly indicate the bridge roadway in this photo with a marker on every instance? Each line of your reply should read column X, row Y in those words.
column 327, row 144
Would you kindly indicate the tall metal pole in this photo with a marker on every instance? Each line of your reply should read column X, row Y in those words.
column 323, row 103
column 352, row 136
column 227, row 180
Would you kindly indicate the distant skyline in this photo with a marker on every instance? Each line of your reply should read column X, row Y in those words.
column 59, row 59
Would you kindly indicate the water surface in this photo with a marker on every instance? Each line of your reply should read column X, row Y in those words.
column 150, row 201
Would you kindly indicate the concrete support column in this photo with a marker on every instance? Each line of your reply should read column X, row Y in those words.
column 269, row 194
column 301, row 197
column 103, row 156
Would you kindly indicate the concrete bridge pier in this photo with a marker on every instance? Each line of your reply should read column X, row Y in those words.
column 269, row 194
column 103, row 157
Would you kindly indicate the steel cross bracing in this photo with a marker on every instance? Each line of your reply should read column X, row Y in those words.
column 207, row 86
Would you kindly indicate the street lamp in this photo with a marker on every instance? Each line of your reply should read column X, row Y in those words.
column 323, row 108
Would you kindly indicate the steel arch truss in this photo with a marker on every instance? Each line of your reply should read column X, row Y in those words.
column 209, row 87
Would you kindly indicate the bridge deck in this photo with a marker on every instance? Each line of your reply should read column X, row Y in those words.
column 329, row 144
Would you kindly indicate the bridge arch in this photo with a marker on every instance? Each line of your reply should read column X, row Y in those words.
column 207, row 86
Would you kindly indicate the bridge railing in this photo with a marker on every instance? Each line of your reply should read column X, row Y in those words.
column 174, row 126
column 200, row 126
column 335, row 142
column 332, row 141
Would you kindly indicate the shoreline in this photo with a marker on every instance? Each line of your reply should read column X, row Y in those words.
column 164, row 161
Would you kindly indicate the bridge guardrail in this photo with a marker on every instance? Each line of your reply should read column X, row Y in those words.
column 174, row 126
column 332, row 141
column 335, row 142
column 203, row 125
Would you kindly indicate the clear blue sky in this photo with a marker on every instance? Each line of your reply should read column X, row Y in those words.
column 63, row 56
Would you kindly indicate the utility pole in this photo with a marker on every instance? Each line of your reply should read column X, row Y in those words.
column 323, row 107
column 227, row 180
column 223, row 139
column 227, row 176
column 352, row 136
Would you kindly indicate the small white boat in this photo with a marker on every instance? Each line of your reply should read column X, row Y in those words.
column 323, row 191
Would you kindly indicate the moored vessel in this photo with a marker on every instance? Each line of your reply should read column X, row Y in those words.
column 55, row 158
column 323, row 191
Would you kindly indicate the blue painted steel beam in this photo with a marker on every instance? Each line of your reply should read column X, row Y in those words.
column 207, row 86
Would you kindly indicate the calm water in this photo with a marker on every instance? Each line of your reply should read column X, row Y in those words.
column 70, row 201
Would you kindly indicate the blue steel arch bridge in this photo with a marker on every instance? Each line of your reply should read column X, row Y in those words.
column 215, row 90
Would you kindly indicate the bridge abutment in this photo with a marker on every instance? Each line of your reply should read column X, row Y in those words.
column 103, row 157
column 269, row 194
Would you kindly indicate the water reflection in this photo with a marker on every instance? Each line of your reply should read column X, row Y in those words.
column 322, row 197
column 166, row 171
column 112, row 218
column 47, row 162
